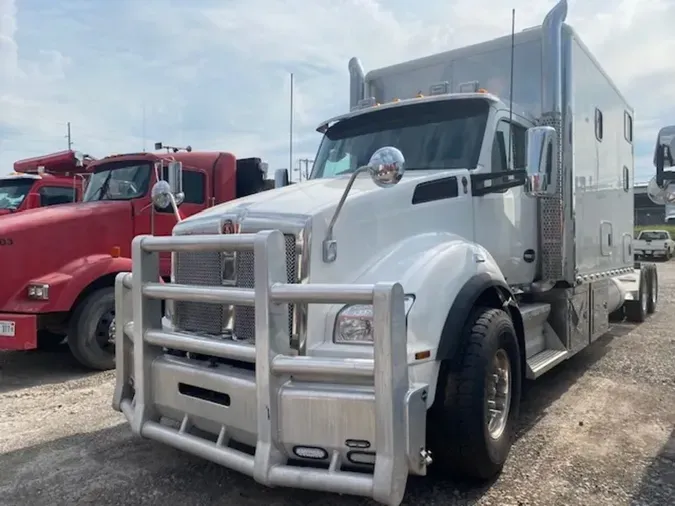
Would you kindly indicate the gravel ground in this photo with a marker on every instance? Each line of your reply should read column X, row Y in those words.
column 598, row 430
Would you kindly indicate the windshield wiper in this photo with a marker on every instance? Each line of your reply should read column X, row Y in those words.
column 103, row 189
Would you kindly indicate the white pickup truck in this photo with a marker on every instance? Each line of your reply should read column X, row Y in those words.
column 654, row 243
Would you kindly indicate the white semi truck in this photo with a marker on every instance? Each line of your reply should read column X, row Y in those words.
column 379, row 319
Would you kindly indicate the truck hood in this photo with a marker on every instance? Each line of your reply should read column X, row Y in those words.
column 5, row 211
column 57, row 215
column 315, row 197
column 372, row 221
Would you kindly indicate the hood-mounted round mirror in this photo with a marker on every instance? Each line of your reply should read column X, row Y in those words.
column 386, row 166
column 161, row 194
column 661, row 196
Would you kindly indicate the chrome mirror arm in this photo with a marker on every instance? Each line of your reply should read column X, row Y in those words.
column 329, row 244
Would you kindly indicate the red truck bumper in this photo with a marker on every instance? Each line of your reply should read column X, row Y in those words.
column 18, row 331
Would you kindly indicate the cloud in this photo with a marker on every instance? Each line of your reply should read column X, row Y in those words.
column 215, row 74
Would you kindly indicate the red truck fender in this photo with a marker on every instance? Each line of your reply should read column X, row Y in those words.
column 66, row 285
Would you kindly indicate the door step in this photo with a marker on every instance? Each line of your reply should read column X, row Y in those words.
column 544, row 361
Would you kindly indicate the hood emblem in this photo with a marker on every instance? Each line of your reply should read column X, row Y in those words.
column 228, row 227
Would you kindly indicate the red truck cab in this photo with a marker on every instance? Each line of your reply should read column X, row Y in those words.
column 59, row 263
column 42, row 181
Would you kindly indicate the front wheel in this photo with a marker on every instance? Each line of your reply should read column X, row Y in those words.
column 472, row 422
column 92, row 330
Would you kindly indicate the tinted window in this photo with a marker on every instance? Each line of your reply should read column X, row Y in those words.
column 54, row 195
column 194, row 185
column 509, row 134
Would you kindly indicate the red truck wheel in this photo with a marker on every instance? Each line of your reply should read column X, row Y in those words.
column 90, row 339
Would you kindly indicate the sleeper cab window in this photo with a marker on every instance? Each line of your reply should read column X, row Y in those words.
column 628, row 126
column 598, row 124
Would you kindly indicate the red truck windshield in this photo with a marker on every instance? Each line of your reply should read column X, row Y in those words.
column 13, row 191
column 118, row 181
column 431, row 135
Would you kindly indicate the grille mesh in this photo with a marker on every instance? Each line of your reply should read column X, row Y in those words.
column 205, row 269
column 244, row 316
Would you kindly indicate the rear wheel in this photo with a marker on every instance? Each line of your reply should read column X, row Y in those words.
column 92, row 331
column 473, row 419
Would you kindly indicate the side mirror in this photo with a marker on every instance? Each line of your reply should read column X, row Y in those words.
column 542, row 162
column 175, row 177
column 280, row 178
column 386, row 166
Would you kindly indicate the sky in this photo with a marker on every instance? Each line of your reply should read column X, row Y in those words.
column 215, row 74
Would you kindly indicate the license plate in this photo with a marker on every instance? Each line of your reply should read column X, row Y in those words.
column 7, row 329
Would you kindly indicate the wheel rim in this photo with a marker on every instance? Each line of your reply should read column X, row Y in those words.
column 644, row 298
column 498, row 394
column 105, row 330
column 655, row 290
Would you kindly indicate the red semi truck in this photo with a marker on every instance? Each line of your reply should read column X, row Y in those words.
column 42, row 181
column 59, row 263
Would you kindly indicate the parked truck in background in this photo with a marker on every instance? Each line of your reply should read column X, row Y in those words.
column 59, row 263
column 43, row 181
column 383, row 315
column 654, row 244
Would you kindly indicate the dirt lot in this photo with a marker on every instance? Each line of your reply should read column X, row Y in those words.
column 599, row 430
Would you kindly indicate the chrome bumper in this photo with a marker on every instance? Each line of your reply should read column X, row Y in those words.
column 337, row 413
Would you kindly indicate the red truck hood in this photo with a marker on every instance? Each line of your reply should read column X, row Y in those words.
column 5, row 211
column 46, row 240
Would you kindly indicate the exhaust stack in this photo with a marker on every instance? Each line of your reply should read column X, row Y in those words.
column 552, row 58
column 357, row 82
column 555, row 262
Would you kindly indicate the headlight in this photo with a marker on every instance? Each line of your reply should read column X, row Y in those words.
column 38, row 291
column 354, row 323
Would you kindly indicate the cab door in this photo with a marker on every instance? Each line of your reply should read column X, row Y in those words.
column 506, row 219
column 161, row 221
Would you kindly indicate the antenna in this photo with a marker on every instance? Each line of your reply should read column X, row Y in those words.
column 290, row 136
column 70, row 139
column 513, row 50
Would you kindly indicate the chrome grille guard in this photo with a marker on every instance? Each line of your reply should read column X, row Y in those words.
column 397, row 412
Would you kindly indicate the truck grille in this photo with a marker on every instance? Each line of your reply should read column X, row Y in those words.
column 205, row 269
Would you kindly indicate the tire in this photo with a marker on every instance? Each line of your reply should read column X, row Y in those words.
column 459, row 433
column 89, row 327
column 49, row 341
column 636, row 310
column 653, row 290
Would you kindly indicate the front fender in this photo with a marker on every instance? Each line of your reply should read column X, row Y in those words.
column 446, row 273
column 66, row 284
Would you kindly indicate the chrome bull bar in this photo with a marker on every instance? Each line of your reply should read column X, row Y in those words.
column 397, row 409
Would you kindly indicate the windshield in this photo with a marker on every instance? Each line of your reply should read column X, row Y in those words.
column 654, row 236
column 118, row 181
column 444, row 134
column 13, row 191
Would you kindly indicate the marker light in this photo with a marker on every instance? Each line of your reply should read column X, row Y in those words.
column 38, row 291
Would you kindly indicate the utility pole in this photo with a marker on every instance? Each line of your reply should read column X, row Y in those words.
column 304, row 174
column 70, row 140
column 290, row 136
